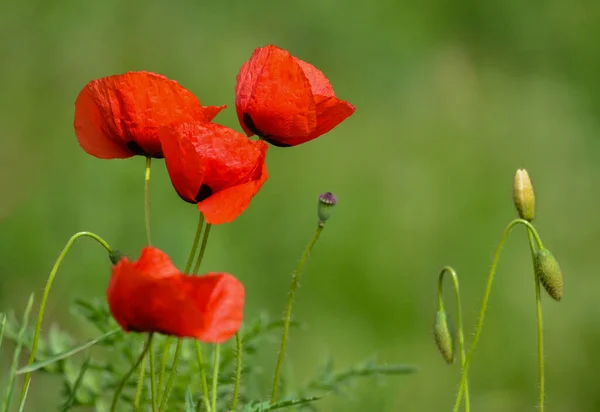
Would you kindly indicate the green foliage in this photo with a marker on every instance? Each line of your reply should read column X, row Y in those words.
column 91, row 382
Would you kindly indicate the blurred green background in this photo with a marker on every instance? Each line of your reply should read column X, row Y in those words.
column 451, row 97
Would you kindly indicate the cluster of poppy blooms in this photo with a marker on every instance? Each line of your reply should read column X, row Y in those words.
column 280, row 98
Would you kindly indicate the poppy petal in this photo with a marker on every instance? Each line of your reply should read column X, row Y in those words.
column 319, row 84
column 185, row 169
column 120, row 116
column 331, row 111
column 225, row 206
column 147, row 296
column 273, row 96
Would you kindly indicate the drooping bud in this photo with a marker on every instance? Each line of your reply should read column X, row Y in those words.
column 523, row 195
column 444, row 336
column 549, row 273
column 116, row 255
column 327, row 202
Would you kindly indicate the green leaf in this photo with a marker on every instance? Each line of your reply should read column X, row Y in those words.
column 189, row 401
column 55, row 358
column 258, row 406
column 73, row 391
column 2, row 323
column 17, row 353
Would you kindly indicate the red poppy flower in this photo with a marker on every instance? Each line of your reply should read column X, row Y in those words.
column 120, row 116
column 151, row 295
column 215, row 167
column 285, row 100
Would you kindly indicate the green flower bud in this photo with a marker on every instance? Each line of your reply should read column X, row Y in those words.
column 549, row 274
column 116, row 255
column 327, row 202
column 523, row 195
column 444, row 336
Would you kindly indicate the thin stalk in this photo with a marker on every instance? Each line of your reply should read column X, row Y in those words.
column 461, row 337
column 152, row 381
column 486, row 297
column 540, row 325
column 180, row 341
column 147, row 199
column 49, row 282
column 215, row 380
column 140, row 386
column 238, row 370
column 123, row 382
column 288, row 311
column 203, row 379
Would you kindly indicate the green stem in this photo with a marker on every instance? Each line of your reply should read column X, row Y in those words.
column 203, row 379
column 188, row 265
column 147, row 199
column 486, row 296
column 180, row 341
column 215, row 380
column 238, row 370
column 288, row 311
column 461, row 337
column 140, row 387
column 152, row 381
column 123, row 382
column 49, row 282
column 202, row 249
column 540, row 325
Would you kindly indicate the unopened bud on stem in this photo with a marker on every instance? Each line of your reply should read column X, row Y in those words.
column 327, row 202
column 549, row 273
column 116, row 255
column 444, row 336
column 523, row 195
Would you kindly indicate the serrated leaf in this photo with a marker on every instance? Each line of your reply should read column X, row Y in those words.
column 258, row 406
column 73, row 391
column 55, row 358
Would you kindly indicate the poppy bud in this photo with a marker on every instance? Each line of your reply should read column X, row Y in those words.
column 327, row 201
column 549, row 274
column 116, row 255
column 523, row 195
column 444, row 336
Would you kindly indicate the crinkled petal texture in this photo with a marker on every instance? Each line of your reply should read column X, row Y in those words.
column 285, row 100
column 120, row 116
column 215, row 167
column 151, row 295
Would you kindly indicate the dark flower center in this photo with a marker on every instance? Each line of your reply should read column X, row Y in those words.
column 137, row 150
column 204, row 193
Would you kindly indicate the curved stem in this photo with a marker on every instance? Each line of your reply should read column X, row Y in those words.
column 238, row 370
column 461, row 337
column 486, row 297
column 123, row 381
column 215, row 380
column 180, row 341
column 147, row 200
column 188, row 265
column 49, row 282
column 540, row 325
column 288, row 311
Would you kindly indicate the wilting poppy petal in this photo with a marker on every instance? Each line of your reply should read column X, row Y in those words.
column 150, row 295
column 285, row 100
column 215, row 167
column 120, row 116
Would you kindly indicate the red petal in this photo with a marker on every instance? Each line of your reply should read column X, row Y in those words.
column 120, row 116
column 148, row 296
column 184, row 164
column 318, row 82
column 331, row 111
column 226, row 205
column 274, row 92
